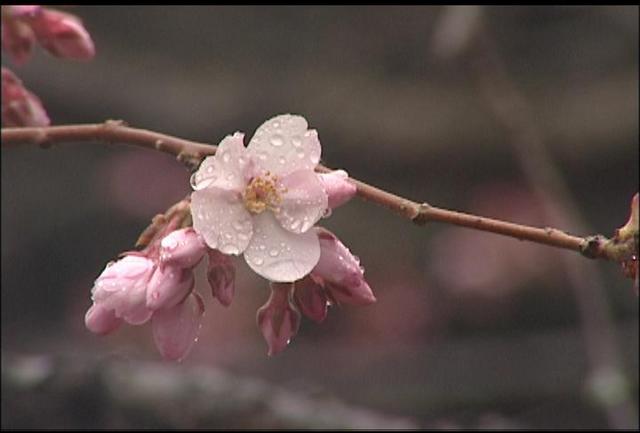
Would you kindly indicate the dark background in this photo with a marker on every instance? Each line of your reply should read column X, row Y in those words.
column 470, row 329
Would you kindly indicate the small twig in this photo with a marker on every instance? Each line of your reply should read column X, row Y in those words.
column 192, row 153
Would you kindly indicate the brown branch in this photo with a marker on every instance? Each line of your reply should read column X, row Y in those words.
column 191, row 153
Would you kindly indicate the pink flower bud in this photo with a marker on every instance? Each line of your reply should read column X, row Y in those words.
column 175, row 329
column 311, row 299
column 19, row 106
column 16, row 11
column 122, row 287
column 221, row 275
column 338, row 188
column 17, row 40
column 169, row 286
column 182, row 248
column 340, row 272
column 63, row 35
column 100, row 320
column 278, row 319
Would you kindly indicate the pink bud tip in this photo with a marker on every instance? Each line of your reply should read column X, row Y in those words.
column 63, row 35
column 340, row 272
column 20, row 107
column 338, row 188
column 182, row 248
column 17, row 40
column 101, row 321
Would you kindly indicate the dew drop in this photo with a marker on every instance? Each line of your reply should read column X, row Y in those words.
column 169, row 243
column 277, row 140
column 295, row 224
column 229, row 236
column 296, row 141
column 230, row 176
column 274, row 253
column 243, row 236
column 210, row 169
column 282, row 160
column 258, row 261
column 300, row 154
column 262, row 247
column 194, row 181
column 237, row 225
column 226, row 157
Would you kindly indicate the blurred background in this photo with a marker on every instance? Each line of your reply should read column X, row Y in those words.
column 528, row 114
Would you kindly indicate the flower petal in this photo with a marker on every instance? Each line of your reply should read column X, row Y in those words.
column 339, row 190
column 100, row 320
column 279, row 255
column 176, row 329
column 219, row 216
column 283, row 145
column 182, row 248
column 169, row 285
column 278, row 319
column 221, row 275
column 227, row 169
column 304, row 203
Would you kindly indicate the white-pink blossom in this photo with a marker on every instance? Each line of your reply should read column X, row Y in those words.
column 262, row 200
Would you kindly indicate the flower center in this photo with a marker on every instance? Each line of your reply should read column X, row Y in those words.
column 262, row 193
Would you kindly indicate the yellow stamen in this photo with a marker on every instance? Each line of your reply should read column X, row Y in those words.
column 262, row 193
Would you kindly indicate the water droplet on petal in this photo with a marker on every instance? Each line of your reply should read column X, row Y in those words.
column 300, row 154
column 277, row 140
column 274, row 253
column 230, row 176
column 237, row 225
column 210, row 169
column 295, row 224
column 258, row 261
column 169, row 243
column 262, row 247
column 296, row 141
column 226, row 157
column 282, row 160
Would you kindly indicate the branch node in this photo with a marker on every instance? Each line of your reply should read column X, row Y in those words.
column 591, row 246
column 422, row 217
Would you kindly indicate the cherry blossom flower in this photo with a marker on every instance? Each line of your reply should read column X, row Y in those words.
column 262, row 200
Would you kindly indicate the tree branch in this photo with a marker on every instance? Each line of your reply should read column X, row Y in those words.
column 191, row 153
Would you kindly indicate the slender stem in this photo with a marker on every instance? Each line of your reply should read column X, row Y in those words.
column 192, row 153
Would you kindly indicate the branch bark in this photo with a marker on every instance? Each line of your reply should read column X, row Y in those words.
column 191, row 153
